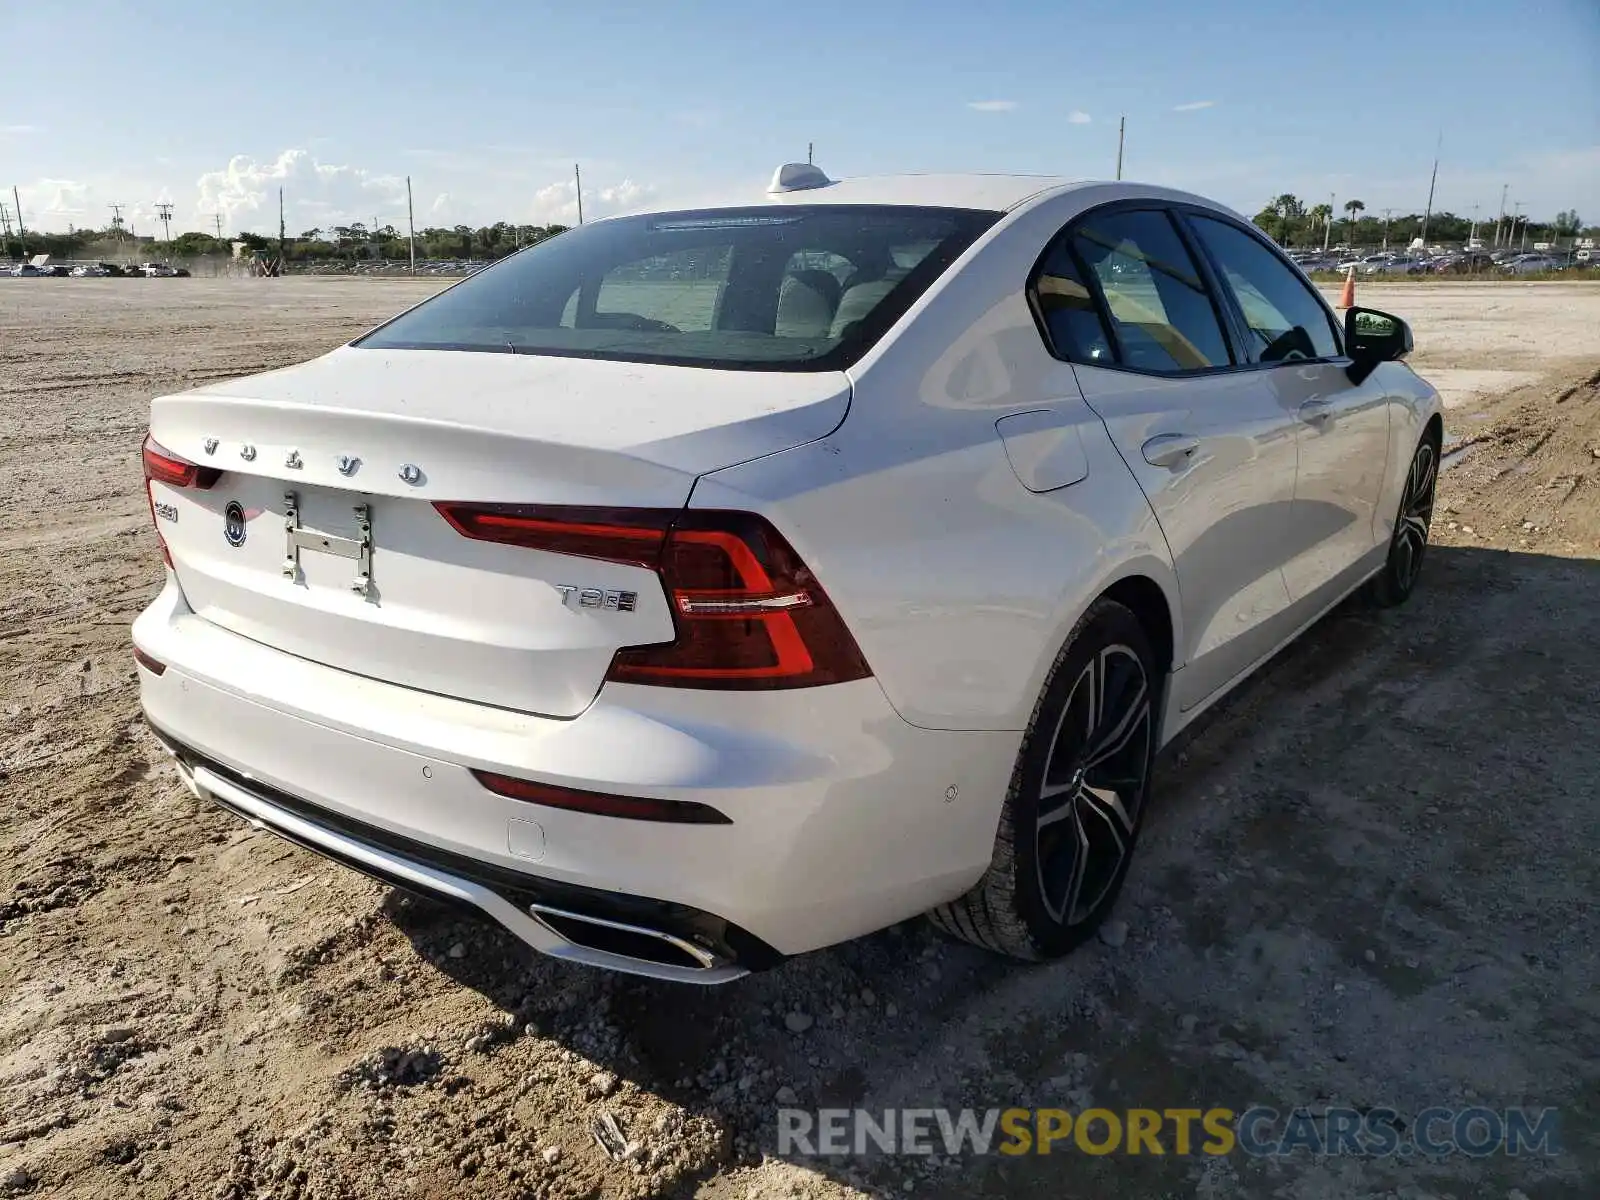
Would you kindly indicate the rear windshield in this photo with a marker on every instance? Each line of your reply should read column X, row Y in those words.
column 792, row 288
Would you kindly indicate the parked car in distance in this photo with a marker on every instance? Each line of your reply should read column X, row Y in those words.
column 1462, row 263
column 1399, row 264
column 25, row 271
column 1363, row 262
column 1529, row 264
column 89, row 271
column 684, row 624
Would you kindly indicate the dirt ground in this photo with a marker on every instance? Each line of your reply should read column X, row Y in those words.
column 1369, row 878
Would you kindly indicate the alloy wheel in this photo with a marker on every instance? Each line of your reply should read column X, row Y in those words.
column 1416, row 514
column 1094, row 782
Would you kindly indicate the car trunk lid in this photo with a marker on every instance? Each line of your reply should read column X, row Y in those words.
column 320, row 536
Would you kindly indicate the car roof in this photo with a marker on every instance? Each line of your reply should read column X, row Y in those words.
column 996, row 192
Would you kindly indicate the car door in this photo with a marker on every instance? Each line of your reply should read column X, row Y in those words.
column 1293, row 343
column 1212, row 448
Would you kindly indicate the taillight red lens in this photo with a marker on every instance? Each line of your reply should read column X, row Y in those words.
column 749, row 614
column 637, row 808
column 620, row 535
column 154, row 665
column 163, row 466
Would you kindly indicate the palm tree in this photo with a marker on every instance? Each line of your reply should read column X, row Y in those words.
column 1355, row 208
column 1322, row 214
column 1289, row 209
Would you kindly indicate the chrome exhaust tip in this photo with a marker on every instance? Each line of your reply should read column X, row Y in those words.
column 626, row 941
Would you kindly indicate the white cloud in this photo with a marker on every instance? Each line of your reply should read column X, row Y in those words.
column 1078, row 117
column 245, row 192
column 557, row 203
column 1194, row 106
column 18, row 130
column 992, row 106
column 54, row 203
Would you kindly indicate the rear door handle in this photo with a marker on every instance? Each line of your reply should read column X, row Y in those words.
column 1170, row 450
column 1316, row 412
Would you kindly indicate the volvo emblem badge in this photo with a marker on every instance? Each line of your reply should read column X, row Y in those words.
column 233, row 527
column 347, row 464
column 247, row 452
column 293, row 461
column 211, row 445
column 411, row 473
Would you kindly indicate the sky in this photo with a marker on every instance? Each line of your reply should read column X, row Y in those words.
column 487, row 105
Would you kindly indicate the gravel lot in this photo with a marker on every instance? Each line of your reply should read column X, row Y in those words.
column 1370, row 878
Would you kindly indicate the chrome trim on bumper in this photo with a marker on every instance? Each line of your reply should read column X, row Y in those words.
column 526, row 926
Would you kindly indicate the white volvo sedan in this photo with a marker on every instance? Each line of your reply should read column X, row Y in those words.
column 699, row 588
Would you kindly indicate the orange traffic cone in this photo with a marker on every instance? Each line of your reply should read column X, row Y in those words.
column 1347, row 298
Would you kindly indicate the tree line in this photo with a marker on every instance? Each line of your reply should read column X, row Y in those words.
column 1292, row 223
column 1286, row 218
column 351, row 243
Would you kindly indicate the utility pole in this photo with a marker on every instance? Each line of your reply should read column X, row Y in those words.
column 164, row 211
column 1473, row 236
column 283, row 260
column 1327, row 230
column 22, row 233
column 1386, row 213
column 1122, row 129
column 1428, row 212
column 411, row 224
column 578, row 182
column 219, row 227
column 1500, row 220
column 810, row 149
column 5, row 222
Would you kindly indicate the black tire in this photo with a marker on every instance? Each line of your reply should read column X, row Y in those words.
column 1409, row 543
column 1013, row 910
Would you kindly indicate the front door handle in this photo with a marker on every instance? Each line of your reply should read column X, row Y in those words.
column 1316, row 412
column 1170, row 450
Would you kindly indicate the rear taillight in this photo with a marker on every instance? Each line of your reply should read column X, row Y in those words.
column 749, row 614
column 163, row 466
column 604, row 804
column 154, row 665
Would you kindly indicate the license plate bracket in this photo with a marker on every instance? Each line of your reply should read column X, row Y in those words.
column 358, row 548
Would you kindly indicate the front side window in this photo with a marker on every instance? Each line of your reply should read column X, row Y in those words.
column 1161, row 313
column 791, row 287
column 1286, row 322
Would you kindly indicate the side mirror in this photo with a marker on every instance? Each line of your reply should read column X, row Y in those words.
column 1372, row 337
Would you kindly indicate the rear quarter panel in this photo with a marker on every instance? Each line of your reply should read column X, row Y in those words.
column 960, row 585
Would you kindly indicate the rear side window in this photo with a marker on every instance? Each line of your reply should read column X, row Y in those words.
column 1162, row 315
column 1286, row 322
column 790, row 287
column 1072, row 322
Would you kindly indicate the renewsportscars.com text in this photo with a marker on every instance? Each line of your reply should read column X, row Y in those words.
column 1257, row 1131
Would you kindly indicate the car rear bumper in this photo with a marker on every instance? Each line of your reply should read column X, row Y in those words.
column 844, row 819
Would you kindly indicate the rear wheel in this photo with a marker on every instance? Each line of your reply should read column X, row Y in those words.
column 1394, row 584
column 1077, row 797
